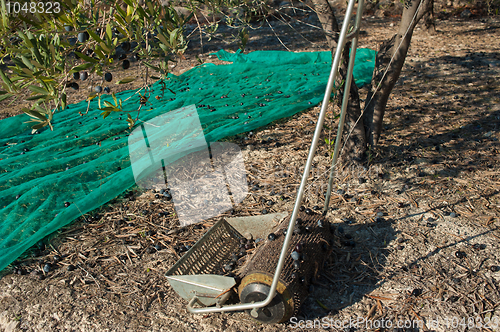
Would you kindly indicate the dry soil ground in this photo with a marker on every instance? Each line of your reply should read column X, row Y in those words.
column 433, row 255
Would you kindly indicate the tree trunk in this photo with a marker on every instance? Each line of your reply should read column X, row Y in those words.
column 367, row 127
column 379, row 93
column 356, row 145
column 326, row 16
column 429, row 22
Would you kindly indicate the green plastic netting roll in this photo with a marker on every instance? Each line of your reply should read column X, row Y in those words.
column 85, row 160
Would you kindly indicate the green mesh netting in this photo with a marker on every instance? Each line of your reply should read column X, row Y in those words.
column 85, row 159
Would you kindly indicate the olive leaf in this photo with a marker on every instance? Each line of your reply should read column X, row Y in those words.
column 63, row 100
column 94, row 36
column 81, row 67
column 37, row 97
column 5, row 96
column 38, row 89
column 105, row 114
column 86, row 58
column 151, row 66
column 34, row 114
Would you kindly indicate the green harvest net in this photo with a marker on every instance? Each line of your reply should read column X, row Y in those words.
column 85, row 160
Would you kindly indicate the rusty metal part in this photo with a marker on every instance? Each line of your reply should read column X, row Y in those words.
column 311, row 244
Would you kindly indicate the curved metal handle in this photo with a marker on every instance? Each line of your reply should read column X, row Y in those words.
column 300, row 193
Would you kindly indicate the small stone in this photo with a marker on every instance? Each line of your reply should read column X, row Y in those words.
column 453, row 215
column 264, row 211
column 308, row 211
column 296, row 265
column 301, row 208
column 460, row 254
column 57, row 258
column 478, row 246
column 494, row 268
column 416, row 292
column 271, row 237
column 380, row 214
column 47, row 267
column 70, row 268
column 66, row 204
column 295, row 255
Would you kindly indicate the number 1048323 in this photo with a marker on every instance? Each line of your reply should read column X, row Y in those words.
column 32, row 7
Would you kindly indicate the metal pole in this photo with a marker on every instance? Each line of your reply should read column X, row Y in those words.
column 300, row 192
column 345, row 102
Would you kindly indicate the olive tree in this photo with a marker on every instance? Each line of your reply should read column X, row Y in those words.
column 363, row 124
column 37, row 49
column 40, row 50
